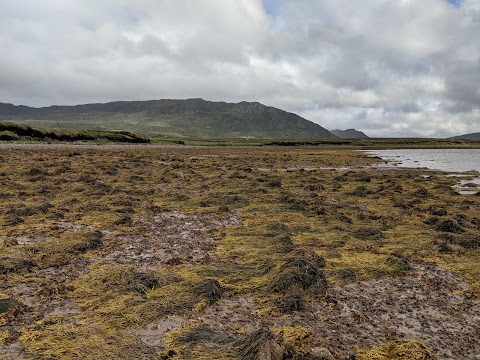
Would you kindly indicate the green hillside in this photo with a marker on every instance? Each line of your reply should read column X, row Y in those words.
column 192, row 117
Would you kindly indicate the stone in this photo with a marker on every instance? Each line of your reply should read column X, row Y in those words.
column 271, row 350
column 319, row 353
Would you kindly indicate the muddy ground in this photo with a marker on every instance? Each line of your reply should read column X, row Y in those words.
column 136, row 244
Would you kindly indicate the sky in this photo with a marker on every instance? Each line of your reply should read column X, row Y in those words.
column 391, row 68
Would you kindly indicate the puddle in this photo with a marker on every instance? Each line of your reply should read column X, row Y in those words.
column 468, row 186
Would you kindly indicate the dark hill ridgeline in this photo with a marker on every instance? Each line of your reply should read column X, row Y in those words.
column 349, row 134
column 191, row 117
column 471, row 137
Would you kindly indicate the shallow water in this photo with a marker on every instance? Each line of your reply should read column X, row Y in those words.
column 451, row 160
column 470, row 186
column 460, row 161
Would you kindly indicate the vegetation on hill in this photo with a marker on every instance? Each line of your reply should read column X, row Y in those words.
column 192, row 118
column 10, row 131
column 349, row 134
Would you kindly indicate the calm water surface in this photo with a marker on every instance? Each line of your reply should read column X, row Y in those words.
column 451, row 160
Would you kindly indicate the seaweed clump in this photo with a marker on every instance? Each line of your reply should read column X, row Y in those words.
column 305, row 272
column 92, row 241
column 202, row 334
column 258, row 346
column 450, row 225
column 195, row 340
column 209, row 289
column 288, row 304
column 471, row 243
column 12, row 265
column 400, row 350
column 7, row 304
column 60, row 339
column 367, row 233
column 399, row 263
column 107, row 282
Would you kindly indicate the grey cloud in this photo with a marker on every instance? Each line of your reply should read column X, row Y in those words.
column 346, row 71
column 387, row 68
column 462, row 81
column 404, row 108
column 459, row 108
column 361, row 115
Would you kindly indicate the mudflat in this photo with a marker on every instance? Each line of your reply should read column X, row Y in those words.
column 180, row 252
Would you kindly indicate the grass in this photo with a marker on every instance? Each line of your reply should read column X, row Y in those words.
column 372, row 143
column 11, row 131
column 21, row 132
column 103, row 242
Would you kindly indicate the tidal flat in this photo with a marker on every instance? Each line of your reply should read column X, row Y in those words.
column 182, row 252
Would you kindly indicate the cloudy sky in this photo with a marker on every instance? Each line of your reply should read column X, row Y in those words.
column 387, row 67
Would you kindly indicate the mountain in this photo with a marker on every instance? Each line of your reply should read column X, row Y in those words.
column 191, row 117
column 472, row 136
column 349, row 134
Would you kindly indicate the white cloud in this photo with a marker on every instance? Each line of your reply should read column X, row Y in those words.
column 410, row 68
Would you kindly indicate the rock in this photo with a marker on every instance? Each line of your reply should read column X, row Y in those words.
column 319, row 353
column 270, row 350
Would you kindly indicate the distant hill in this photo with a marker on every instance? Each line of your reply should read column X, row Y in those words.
column 472, row 137
column 349, row 134
column 191, row 117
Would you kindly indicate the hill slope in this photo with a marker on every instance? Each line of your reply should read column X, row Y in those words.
column 472, row 136
column 349, row 134
column 191, row 117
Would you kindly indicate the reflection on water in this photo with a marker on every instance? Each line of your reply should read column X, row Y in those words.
column 449, row 160
column 455, row 160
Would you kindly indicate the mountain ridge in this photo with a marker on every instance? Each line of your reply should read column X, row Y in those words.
column 189, row 117
column 349, row 134
column 471, row 136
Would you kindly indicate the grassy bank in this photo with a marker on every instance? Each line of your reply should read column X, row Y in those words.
column 373, row 143
column 10, row 131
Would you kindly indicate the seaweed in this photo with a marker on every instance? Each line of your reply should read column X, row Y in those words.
column 252, row 346
column 301, row 271
column 450, row 225
column 398, row 350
